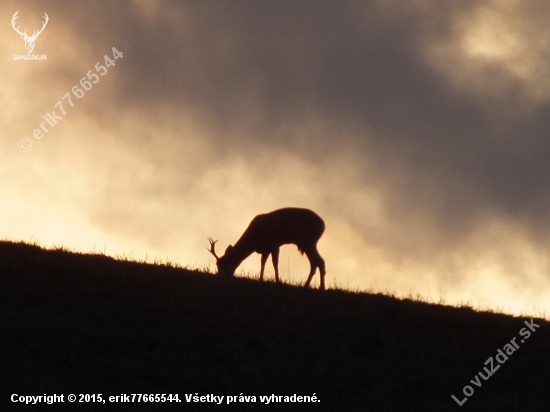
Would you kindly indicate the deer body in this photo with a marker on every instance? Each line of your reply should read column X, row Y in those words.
column 268, row 232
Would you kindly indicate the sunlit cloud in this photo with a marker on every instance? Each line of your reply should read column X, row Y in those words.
column 495, row 49
column 417, row 130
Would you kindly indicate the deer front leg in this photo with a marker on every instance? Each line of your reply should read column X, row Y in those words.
column 262, row 267
column 275, row 259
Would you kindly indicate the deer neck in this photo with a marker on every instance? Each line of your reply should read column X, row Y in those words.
column 242, row 250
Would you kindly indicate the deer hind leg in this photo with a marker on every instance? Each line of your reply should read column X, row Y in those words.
column 275, row 259
column 262, row 267
column 316, row 261
column 322, row 270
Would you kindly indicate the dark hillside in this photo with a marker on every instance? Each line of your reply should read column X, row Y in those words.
column 89, row 324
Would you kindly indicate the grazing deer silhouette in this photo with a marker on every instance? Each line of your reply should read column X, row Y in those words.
column 267, row 233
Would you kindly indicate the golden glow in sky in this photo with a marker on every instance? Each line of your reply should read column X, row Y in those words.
column 419, row 134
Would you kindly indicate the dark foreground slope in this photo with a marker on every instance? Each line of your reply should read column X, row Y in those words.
column 88, row 324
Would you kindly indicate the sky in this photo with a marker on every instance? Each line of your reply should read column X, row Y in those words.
column 417, row 129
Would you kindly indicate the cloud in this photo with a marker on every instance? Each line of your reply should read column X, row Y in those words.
column 413, row 127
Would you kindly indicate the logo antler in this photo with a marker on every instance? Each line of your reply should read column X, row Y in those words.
column 29, row 40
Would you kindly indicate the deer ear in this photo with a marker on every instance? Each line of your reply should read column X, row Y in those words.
column 228, row 249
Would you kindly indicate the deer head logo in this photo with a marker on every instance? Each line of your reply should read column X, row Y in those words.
column 29, row 40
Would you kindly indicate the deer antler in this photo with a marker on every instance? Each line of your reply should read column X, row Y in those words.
column 35, row 32
column 213, row 248
column 15, row 17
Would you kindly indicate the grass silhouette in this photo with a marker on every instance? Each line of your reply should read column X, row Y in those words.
column 81, row 323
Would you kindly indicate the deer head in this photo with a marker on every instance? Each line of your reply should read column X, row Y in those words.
column 29, row 40
column 225, row 264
